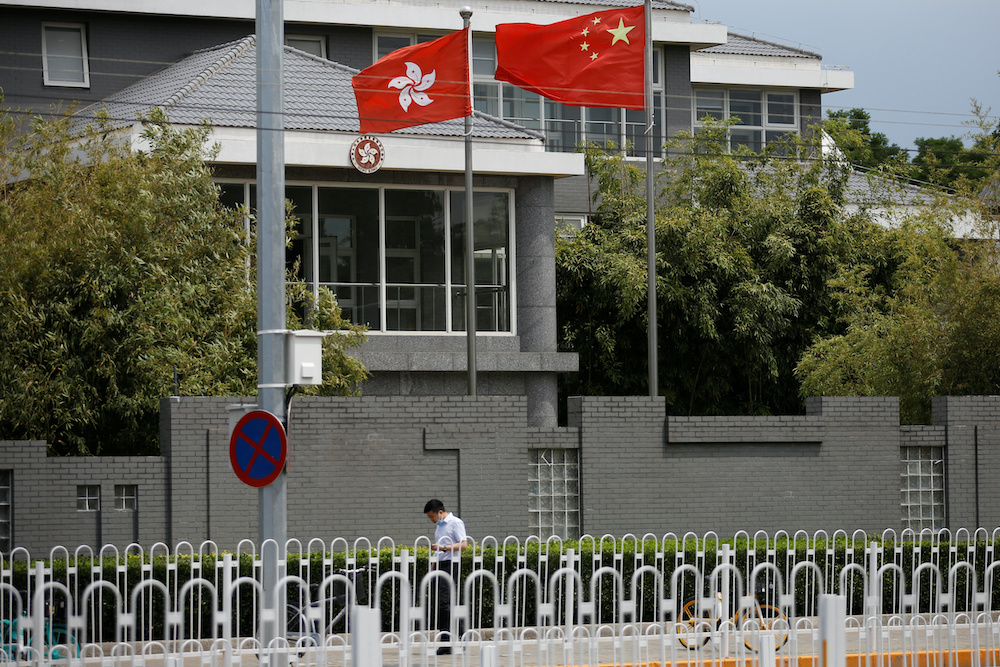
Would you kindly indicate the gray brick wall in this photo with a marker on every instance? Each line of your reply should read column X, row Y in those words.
column 45, row 494
column 837, row 467
column 364, row 466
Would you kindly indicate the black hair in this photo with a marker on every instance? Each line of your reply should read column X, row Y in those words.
column 433, row 505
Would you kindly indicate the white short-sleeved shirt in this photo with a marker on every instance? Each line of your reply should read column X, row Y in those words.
column 450, row 531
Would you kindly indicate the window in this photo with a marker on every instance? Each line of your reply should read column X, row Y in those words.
column 313, row 44
column 921, row 487
column 567, row 225
column 565, row 127
column 6, row 510
column 395, row 257
column 389, row 42
column 763, row 116
column 88, row 498
column 554, row 496
column 126, row 496
column 64, row 55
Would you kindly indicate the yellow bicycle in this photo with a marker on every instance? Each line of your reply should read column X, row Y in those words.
column 697, row 621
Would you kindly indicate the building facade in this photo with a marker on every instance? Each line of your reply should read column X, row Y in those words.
column 365, row 466
column 389, row 244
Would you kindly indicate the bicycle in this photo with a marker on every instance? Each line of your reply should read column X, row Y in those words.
column 57, row 641
column 761, row 617
column 302, row 623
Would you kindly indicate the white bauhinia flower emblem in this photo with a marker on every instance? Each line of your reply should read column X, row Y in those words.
column 412, row 86
column 367, row 153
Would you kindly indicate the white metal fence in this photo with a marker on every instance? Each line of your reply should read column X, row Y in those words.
column 908, row 599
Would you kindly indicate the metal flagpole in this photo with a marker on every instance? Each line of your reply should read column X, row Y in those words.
column 470, row 246
column 650, row 213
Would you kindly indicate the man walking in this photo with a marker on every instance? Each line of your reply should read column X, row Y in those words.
column 449, row 541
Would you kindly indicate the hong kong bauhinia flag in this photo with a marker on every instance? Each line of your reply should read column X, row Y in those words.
column 424, row 83
column 595, row 60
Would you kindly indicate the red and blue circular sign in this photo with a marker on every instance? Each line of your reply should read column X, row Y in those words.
column 257, row 448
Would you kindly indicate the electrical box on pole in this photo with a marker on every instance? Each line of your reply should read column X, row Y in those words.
column 304, row 357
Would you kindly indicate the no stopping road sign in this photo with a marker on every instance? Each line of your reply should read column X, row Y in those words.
column 257, row 448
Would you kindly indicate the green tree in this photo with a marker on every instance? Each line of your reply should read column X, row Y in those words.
column 746, row 245
column 121, row 267
column 932, row 332
column 946, row 161
column 852, row 134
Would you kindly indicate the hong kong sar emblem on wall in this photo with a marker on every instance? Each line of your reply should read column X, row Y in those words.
column 367, row 154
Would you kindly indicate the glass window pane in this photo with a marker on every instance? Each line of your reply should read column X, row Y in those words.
column 386, row 44
column 746, row 105
column 745, row 137
column 415, row 255
column 231, row 194
column 492, row 221
column 780, row 109
column 604, row 126
column 563, row 129
column 309, row 44
column 349, row 251
column 709, row 103
column 483, row 58
column 300, row 251
column 486, row 98
column 522, row 107
column 64, row 54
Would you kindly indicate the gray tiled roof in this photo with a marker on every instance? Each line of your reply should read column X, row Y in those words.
column 219, row 84
column 657, row 4
column 746, row 45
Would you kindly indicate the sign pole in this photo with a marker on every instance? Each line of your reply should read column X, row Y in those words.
column 271, row 325
column 271, row 247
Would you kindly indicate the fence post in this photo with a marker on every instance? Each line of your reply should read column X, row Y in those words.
column 367, row 623
column 37, row 613
column 570, row 596
column 727, row 600
column 226, row 614
column 832, row 633
column 767, row 651
column 404, row 608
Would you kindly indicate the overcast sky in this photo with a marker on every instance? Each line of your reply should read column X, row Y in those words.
column 916, row 63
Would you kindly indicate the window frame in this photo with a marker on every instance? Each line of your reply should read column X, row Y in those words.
column 89, row 495
column 315, row 216
column 47, row 78
column 319, row 39
column 125, row 493
column 412, row 36
column 765, row 128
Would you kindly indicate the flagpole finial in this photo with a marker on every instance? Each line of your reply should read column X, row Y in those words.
column 465, row 12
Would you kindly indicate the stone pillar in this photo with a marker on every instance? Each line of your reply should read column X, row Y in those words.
column 536, row 290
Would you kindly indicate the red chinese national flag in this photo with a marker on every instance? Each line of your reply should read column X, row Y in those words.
column 596, row 60
column 424, row 83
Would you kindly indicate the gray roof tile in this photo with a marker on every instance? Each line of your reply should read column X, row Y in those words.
column 219, row 84
column 745, row 45
column 657, row 4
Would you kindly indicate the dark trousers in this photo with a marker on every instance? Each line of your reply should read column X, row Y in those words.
column 440, row 606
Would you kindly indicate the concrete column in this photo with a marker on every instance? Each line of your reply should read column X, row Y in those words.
column 536, row 290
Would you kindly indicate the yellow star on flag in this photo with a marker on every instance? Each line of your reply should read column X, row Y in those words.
column 621, row 32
